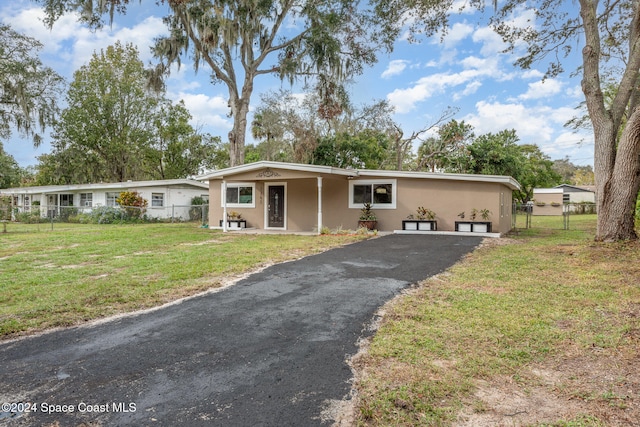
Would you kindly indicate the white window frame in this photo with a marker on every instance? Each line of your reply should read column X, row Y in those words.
column 238, row 185
column 161, row 199
column 84, row 198
column 107, row 197
column 372, row 182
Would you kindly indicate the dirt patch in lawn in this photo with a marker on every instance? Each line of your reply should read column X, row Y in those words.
column 593, row 389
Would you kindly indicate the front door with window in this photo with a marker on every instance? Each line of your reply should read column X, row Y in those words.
column 52, row 205
column 276, row 206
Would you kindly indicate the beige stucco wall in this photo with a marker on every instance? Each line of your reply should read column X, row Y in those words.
column 445, row 197
column 548, row 209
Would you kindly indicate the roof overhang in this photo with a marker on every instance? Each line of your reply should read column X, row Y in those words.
column 497, row 179
column 357, row 173
column 104, row 186
column 298, row 167
column 548, row 191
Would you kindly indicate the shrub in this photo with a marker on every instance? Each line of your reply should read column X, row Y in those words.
column 31, row 217
column 66, row 213
column 106, row 215
column 133, row 204
column 196, row 210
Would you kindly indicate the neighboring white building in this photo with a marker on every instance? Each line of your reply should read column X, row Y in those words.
column 577, row 194
column 167, row 198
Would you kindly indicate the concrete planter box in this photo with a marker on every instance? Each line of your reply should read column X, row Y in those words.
column 419, row 224
column 474, row 226
column 235, row 224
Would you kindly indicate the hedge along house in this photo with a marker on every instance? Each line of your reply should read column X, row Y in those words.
column 296, row 197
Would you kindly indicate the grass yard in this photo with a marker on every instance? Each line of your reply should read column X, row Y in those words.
column 77, row 273
column 541, row 329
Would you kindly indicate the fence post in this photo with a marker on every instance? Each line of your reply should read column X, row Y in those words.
column 173, row 211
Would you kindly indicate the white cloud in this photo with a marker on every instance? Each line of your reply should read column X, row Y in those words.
column 395, row 67
column 575, row 92
column 462, row 7
column 538, row 125
column 209, row 112
column 455, row 34
column 405, row 100
column 578, row 147
column 532, row 125
column 531, row 74
column 491, row 43
column 69, row 45
column 542, row 89
column 470, row 89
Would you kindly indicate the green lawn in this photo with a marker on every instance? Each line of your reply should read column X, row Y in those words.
column 548, row 299
column 75, row 273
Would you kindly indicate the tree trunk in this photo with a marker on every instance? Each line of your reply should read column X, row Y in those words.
column 617, row 195
column 239, row 109
column 616, row 168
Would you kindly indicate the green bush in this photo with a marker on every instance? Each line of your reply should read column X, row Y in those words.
column 133, row 204
column 107, row 215
column 30, row 217
column 195, row 212
column 66, row 212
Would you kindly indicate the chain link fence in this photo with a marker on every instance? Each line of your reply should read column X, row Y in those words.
column 35, row 214
column 552, row 216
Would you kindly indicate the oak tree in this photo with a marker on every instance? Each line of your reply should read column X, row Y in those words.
column 238, row 41
column 116, row 129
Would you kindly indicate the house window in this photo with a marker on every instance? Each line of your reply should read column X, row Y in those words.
column 66, row 200
column 86, row 199
column 241, row 195
column 157, row 200
column 111, row 199
column 566, row 198
column 380, row 193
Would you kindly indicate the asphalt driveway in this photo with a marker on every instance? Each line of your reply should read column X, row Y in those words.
column 268, row 351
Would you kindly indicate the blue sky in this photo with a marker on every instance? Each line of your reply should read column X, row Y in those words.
column 420, row 80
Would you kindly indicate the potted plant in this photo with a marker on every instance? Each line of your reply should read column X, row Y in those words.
column 367, row 218
column 234, row 220
column 474, row 226
column 423, row 221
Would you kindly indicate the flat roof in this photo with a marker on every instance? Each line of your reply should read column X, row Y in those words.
column 104, row 186
column 357, row 173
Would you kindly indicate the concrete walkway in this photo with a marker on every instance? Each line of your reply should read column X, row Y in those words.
column 268, row 351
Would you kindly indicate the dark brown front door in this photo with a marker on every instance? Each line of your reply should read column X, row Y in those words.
column 275, row 208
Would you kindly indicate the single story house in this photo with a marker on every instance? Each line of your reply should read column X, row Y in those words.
column 577, row 194
column 166, row 198
column 298, row 197
column 561, row 198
